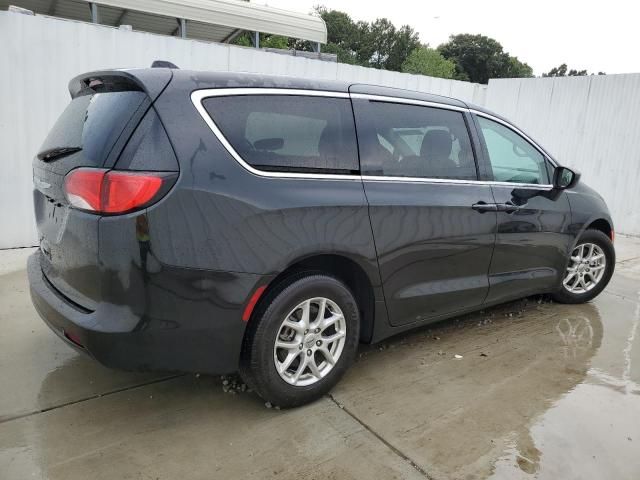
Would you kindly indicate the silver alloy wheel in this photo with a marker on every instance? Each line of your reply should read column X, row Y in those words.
column 309, row 341
column 586, row 268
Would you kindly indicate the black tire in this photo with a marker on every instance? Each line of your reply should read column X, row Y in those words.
column 257, row 366
column 604, row 242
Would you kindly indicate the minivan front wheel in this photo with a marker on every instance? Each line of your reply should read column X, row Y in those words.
column 589, row 269
column 301, row 340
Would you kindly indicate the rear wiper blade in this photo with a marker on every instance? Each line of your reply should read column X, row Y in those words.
column 56, row 153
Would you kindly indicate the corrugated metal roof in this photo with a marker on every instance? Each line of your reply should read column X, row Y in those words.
column 212, row 20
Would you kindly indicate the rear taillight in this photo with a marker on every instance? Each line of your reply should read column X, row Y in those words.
column 111, row 191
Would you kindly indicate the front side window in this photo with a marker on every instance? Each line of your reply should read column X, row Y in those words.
column 289, row 133
column 401, row 140
column 511, row 157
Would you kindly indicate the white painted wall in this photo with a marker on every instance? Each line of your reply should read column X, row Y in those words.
column 589, row 123
column 39, row 55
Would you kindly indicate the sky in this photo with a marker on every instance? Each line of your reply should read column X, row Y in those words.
column 594, row 35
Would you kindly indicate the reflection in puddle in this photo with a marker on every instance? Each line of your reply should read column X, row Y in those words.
column 579, row 341
column 576, row 334
column 580, row 335
column 457, row 417
column 589, row 430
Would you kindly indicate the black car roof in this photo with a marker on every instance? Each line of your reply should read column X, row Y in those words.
column 254, row 80
column 400, row 92
column 153, row 81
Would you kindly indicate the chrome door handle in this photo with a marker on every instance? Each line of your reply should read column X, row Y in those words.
column 484, row 207
column 507, row 207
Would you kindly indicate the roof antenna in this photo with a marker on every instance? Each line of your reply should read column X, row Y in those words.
column 164, row 64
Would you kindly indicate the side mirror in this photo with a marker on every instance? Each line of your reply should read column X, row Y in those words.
column 564, row 178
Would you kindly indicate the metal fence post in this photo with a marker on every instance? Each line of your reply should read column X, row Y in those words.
column 94, row 13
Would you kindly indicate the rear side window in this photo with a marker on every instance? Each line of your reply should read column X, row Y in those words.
column 149, row 147
column 92, row 124
column 400, row 140
column 288, row 133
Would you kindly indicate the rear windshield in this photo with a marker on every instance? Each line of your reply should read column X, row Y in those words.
column 289, row 133
column 93, row 124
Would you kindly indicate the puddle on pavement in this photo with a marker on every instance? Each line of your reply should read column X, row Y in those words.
column 593, row 430
column 541, row 390
column 40, row 371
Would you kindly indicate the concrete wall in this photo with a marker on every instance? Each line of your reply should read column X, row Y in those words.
column 589, row 123
column 39, row 55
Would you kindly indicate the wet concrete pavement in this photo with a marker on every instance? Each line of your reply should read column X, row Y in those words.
column 542, row 391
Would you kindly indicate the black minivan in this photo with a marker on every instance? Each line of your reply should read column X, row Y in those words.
column 219, row 222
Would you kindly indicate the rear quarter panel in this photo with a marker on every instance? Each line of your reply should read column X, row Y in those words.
column 222, row 217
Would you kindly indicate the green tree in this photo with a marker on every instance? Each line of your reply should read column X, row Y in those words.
column 405, row 41
column 518, row 69
column 563, row 71
column 379, row 40
column 378, row 44
column 427, row 61
column 344, row 55
column 341, row 29
column 381, row 45
column 342, row 35
column 479, row 58
column 266, row 40
column 244, row 40
column 362, row 46
column 274, row 41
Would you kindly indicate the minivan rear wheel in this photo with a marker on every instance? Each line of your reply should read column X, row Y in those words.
column 302, row 338
column 589, row 269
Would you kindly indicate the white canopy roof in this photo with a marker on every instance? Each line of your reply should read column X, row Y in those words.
column 214, row 20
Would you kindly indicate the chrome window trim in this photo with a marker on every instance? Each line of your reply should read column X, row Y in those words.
column 407, row 101
column 454, row 181
column 199, row 95
column 226, row 92
column 444, row 106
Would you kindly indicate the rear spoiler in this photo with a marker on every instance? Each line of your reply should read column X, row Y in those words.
column 151, row 81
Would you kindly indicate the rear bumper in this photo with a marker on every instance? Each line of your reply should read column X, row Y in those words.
column 200, row 333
